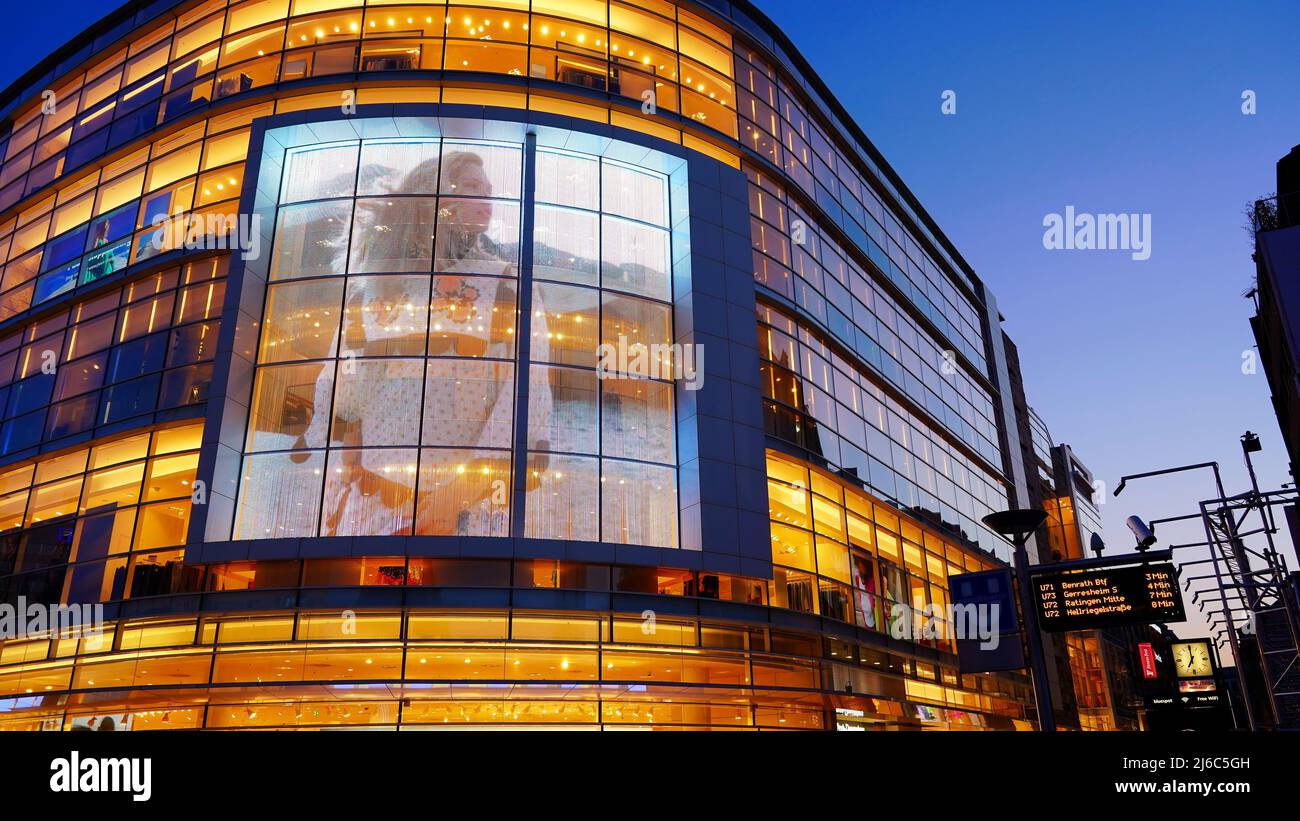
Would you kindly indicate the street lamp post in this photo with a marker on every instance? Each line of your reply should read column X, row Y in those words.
column 1017, row 526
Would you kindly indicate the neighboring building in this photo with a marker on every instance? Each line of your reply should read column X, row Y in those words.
column 425, row 448
column 1276, row 323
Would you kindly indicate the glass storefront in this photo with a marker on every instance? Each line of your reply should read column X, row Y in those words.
column 431, row 669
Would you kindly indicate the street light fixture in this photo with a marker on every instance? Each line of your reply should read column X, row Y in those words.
column 1017, row 526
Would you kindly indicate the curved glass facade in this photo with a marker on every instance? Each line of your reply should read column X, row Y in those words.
column 508, row 363
column 406, row 367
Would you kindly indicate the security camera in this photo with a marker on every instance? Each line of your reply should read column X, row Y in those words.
column 1143, row 533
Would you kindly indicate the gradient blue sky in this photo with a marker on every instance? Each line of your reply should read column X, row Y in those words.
column 1109, row 107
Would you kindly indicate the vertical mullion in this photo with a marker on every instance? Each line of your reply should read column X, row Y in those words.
column 600, row 340
column 675, row 382
column 523, row 339
column 427, row 360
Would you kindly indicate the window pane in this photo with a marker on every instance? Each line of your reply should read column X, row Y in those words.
column 290, row 407
column 634, row 257
column 123, row 450
column 562, row 410
column 627, row 323
column 393, row 234
column 464, row 493
column 385, row 316
column 638, row 504
column 102, row 535
column 113, row 488
column 162, row 525
column 301, row 320
column 637, row 420
column 475, row 170
column 469, row 403
column 76, row 378
column 377, row 402
column 54, row 500
column 399, row 167
column 477, row 236
column 566, row 245
column 311, row 240
column 472, row 316
column 564, row 325
column 562, row 493
column 369, row 493
column 171, row 477
column 280, row 497
column 566, row 179
column 319, row 173
column 634, row 194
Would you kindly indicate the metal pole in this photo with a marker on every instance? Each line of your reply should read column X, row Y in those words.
column 1231, row 630
column 1037, row 662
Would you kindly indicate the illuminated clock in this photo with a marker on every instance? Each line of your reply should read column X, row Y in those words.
column 1192, row 659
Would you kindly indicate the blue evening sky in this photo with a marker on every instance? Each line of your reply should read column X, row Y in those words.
column 1106, row 106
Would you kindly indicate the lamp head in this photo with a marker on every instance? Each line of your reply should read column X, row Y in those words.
column 1016, row 525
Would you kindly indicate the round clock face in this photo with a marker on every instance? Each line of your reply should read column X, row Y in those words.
column 1192, row 660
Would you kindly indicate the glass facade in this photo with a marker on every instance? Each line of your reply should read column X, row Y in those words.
column 102, row 523
column 447, row 392
column 847, row 557
column 126, row 212
column 122, row 355
column 837, row 412
column 386, row 390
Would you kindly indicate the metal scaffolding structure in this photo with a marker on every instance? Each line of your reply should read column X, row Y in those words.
column 1252, row 611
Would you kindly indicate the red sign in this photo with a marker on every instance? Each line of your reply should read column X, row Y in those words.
column 1148, row 655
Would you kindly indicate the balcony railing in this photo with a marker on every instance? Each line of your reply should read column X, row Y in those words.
column 1277, row 211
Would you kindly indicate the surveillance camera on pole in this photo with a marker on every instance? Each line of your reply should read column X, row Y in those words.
column 1142, row 532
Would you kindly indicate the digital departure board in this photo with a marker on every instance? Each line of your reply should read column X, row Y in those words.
column 1107, row 597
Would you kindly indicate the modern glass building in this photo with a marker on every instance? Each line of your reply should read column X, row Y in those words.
column 506, row 363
